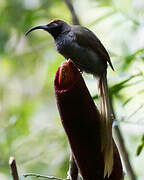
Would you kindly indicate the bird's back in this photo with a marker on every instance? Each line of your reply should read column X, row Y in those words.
column 86, row 58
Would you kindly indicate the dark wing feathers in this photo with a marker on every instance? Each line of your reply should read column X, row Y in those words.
column 88, row 39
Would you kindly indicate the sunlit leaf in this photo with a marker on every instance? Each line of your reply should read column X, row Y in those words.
column 130, row 58
column 123, row 84
column 127, row 101
column 140, row 147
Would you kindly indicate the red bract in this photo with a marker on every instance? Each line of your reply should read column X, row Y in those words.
column 81, row 121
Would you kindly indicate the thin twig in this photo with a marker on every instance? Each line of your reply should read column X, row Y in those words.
column 14, row 172
column 139, row 108
column 131, row 123
column 123, row 151
column 75, row 19
column 42, row 176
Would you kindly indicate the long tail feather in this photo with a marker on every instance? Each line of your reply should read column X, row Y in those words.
column 106, row 141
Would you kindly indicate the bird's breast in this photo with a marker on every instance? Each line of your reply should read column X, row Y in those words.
column 86, row 59
column 63, row 44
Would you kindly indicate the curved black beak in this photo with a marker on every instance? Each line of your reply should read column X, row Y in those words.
column 44, row 27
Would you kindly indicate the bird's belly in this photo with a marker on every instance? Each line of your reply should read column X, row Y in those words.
column 86, row 59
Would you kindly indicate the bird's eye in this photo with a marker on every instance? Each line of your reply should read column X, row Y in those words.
column 55, row 24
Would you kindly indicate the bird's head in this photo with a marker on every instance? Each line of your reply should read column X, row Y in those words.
column 54, row 27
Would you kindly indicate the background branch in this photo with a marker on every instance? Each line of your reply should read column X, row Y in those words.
column 121, row 146
column 123, row 151
column 14, row 172
column 75, row 19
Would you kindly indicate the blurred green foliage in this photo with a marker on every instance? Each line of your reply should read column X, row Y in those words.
column 30, row 128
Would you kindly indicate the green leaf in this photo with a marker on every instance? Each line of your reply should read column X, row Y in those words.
column 127, row 101
column 139, row 149
column 119, row 86
column 95, row 97
column 115, row 89
column 130, row 58
column 141, row 146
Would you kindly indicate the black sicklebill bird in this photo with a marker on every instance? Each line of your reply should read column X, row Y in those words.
column 83, row 47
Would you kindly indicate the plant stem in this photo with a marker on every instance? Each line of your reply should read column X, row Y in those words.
column 123, row 151
column 14, row 172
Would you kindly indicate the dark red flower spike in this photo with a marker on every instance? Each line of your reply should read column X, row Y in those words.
column 81, row 121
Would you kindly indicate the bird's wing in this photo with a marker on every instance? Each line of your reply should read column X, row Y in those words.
column 86, row 38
